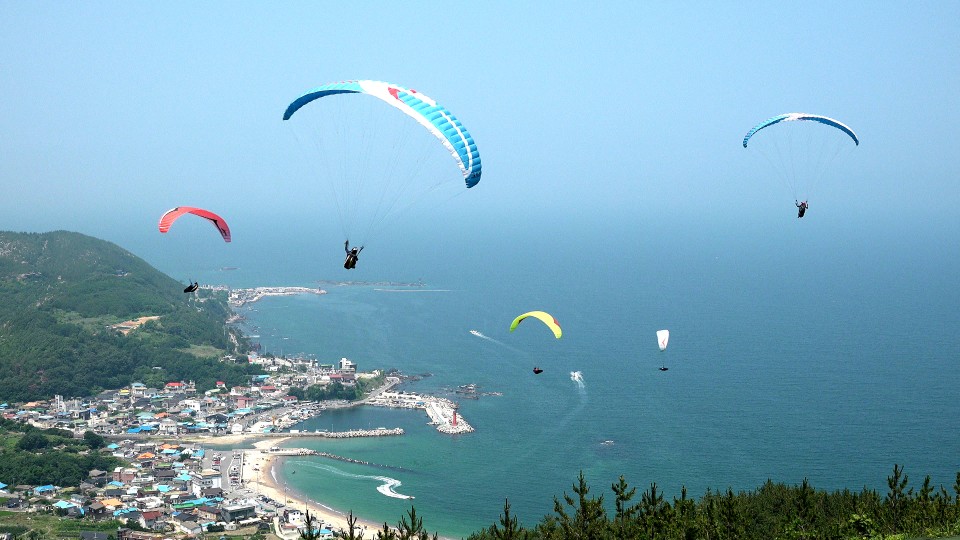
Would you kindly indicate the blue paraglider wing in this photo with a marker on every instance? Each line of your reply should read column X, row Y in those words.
column 790, row 117
column 438, row 120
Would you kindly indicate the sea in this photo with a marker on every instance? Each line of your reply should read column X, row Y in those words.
column 825, row 348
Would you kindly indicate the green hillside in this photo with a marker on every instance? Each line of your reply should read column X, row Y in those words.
column 60, row 295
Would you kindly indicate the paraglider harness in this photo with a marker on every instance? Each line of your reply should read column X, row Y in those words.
column 352, row 254
column 803, row 208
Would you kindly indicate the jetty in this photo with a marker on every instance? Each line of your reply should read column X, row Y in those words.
column 353, row 433
column 442, row 412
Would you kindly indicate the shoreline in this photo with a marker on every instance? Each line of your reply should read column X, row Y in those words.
column 267, row 481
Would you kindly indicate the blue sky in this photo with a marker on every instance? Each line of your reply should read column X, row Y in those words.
column 112, row 111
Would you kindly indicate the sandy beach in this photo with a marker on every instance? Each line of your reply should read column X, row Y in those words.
column 263, row 482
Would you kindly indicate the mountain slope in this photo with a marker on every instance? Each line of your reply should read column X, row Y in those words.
column 60, row 295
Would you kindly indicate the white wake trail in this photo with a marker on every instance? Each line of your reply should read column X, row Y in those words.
column 386, row 487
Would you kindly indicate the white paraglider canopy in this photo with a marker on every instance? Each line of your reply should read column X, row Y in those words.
column 663, row 336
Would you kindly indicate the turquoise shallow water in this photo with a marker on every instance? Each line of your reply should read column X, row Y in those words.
column 831, row 358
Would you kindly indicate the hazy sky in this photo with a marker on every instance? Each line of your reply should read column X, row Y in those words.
column 112, row 112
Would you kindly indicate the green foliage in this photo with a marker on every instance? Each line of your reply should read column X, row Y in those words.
column 59, row 292
column 32, row 441
column 774, row 511
column 336, row 390
column 58, row 467
column 94, row 441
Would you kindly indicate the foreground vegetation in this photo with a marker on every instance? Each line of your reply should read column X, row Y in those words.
column 774, row 511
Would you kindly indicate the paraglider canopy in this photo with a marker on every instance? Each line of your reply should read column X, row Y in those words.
column 663, row 336
column 544, row 317
column 167, row 219
column 801, row 148
column 427, row 112
column 537, row 371
column 792, row 117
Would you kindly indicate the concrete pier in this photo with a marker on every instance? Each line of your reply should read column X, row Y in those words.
column 442, row 412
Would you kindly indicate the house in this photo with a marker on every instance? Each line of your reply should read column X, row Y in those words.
column 208, row 512
column 124, row 475
column 211, row 493
column 150, row 518
column 111, row 505
column 190, row 527
column 175, row 387
column 97, row 477
column 97, row 510
column 205, row 479
column 231, row 514
column 45, row 491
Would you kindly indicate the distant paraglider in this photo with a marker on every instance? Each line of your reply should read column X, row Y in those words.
column 167, row 219
column 544, row 317
column 192, row 287
column 801, row 150
column 663, row 337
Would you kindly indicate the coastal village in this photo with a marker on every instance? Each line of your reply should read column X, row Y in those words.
column 180, row 483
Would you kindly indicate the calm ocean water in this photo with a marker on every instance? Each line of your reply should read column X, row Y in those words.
column 814, row 351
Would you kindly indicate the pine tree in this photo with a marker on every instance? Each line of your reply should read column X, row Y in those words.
column 651, row 512
column 589, row 520
column 731, row 520
column 511, row 530
column 310, row 531
column 896, row 498
column 623, row 520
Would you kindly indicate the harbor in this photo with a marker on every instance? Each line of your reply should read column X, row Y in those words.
column 239, row 297
column 443, row 413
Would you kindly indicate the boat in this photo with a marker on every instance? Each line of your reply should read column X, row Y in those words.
column 476, row 333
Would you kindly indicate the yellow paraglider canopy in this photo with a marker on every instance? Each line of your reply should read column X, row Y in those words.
column 543, row 316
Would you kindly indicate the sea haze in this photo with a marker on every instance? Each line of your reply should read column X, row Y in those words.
column 799, row 349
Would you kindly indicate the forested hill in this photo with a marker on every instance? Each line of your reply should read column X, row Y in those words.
column 61, row 292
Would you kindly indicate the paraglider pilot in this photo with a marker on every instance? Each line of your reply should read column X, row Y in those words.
column 192, row 287
column 803, row 208
column 352, row 254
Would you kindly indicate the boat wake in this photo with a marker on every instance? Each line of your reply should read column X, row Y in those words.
column 577, row 377
column 485, row 337
column 386, row 486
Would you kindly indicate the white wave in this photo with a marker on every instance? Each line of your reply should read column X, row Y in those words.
column 386, row 487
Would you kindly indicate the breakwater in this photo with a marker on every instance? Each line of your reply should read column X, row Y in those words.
column 443, row 413
column 357, row 461
column 379, row 432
